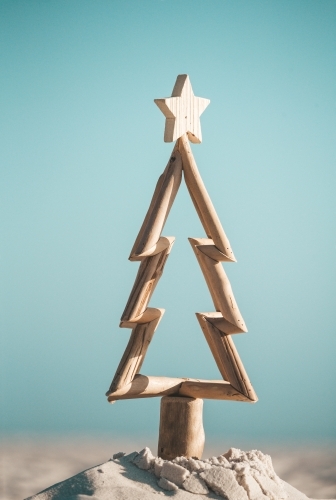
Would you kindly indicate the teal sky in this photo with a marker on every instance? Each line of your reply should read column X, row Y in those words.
column 82, row 148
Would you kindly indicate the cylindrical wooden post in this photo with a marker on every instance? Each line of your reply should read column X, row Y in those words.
column 181, row 428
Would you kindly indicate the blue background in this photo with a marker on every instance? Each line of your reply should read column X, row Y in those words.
column 82, row 148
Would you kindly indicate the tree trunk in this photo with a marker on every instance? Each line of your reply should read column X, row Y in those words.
column 181, row 428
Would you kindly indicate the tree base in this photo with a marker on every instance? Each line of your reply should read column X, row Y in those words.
column 181, row 428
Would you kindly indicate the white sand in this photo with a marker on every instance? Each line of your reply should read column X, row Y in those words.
column 121, row 479
column 31, row 464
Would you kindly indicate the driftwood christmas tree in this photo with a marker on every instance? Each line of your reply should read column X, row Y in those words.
column 181, row 428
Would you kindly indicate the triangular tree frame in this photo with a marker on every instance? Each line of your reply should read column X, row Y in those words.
column 152, row 250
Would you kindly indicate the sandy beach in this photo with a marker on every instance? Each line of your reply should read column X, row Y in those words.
column 31, row 465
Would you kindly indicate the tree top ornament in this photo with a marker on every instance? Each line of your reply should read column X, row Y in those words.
column 182, row 111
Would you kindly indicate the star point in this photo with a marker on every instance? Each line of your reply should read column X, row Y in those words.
column 182, row 111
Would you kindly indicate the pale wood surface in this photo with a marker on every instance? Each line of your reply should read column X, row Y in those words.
column 135, row 352
column 140, row 240
column 227, row 358
column 181, row 431
column 162, row 243
column 150, row 314
column 224, row 326
column 148, row 275
column 143, row 386
column 220, row 289
column 207, row 246
column 202, row 201
column 199, row 212
column 163, row 198
column 182, row 111
column 212, row 389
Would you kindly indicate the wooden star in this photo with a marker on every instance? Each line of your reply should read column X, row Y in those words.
column 182, row 111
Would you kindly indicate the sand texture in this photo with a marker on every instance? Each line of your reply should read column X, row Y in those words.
column 122, row 480
column 31, row 465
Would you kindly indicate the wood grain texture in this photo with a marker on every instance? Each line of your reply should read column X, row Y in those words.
column 202, row 201
column 135, row 352
column 181, row 432
column 148, row 275
column 150, row 314
column 147, row 387
column 162, row 243
column 212, row 389
column 182, row 111
column 207, row 246
column 163, row 198
column 224, row 326
column 220, row 289
column 143, row 386
column 227, row 358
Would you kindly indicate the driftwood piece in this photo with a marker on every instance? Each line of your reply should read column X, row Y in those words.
column 207, row 246
column 220, row 289
column 135, row 352
column 181, row 432
column 149, row 273
column 162, row 243
column 147, row 387
column 182, row 111
column 227, row 358
column 143, row 386
column 150, row 314
column 202, row 201
column 224, row 326
column 212, row 389
column 159, row 208
column 199, row 213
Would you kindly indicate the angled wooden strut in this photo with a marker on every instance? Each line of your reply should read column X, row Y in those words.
column 230, row 321
column 148, row 240
column 135, row 352
column 152, row 250
column 203, row 203
column 149, row 273
column 226, row 356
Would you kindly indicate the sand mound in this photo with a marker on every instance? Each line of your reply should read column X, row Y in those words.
column 235, row 475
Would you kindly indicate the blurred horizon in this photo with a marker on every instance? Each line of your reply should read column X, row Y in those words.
column 136, row 440
column 82, row 149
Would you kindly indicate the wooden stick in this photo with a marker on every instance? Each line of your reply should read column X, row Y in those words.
column 212, row 389
column 135, row 353
column 150, row 314
column 162, row 243
column 199, row 212
column 149, row 273
column 207, row 246
column 149, row 211
column 160, row 206
column 147, row 387
column 224, row 326
column 181, row 428
column 202, row 201
column 220, row 289
column 143, row 386
column 227, row 358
